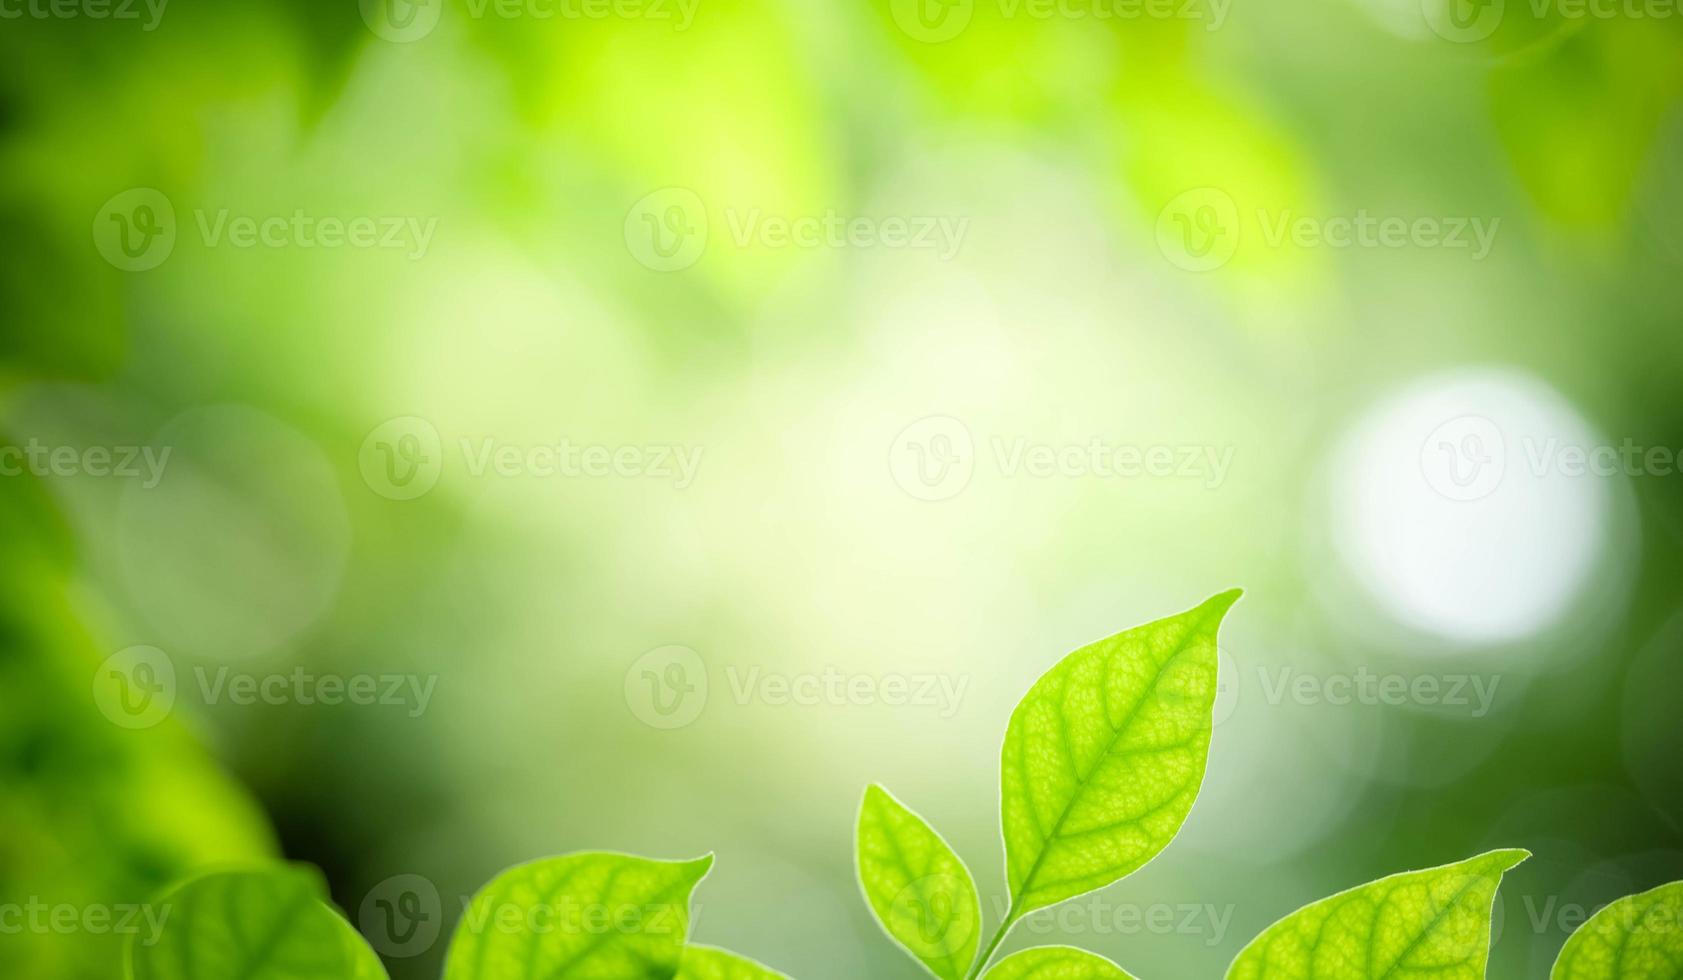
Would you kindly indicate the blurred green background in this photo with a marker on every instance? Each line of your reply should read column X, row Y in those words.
column 1153, row 221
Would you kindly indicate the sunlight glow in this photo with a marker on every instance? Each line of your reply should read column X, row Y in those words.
column 1457, row 505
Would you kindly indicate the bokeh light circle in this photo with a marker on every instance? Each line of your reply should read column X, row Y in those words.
column 1458, row 505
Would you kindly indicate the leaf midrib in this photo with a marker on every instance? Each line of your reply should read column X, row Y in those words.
column 1423, row 933
column 1085, row 778
column 951, row 958
column 261, row 954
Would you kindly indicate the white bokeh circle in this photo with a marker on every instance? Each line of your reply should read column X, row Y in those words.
column 1451, row 505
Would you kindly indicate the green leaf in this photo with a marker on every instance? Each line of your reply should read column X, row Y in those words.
column 581, row 916
column 708, row 963
column 1056, row 963
column 1105, row 754
column 256, row 925
column 922, row 894
column 1420, row 924
column 1636, row 938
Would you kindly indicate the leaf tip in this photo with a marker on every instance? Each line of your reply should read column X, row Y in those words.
column 873, row 797
column 699, row 867
column 1505, row 859
column 1216, row 606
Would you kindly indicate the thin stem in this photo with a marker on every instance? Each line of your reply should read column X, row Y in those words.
column 998, row 937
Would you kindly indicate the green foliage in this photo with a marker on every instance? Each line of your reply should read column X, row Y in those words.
column 578, row 917
column 1056, row 963
column 256, row 925
column 707, row 963
column 1105, row 754
column 1102, row 760
column 921, row 892
column 584, row 915
column 1420, row 924
column 91, row 813
column 1635, row 938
